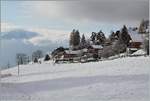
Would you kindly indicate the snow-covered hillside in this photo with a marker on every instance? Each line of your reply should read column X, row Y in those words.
column 125, row 79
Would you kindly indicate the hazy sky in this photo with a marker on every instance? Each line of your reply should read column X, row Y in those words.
column 87, row 16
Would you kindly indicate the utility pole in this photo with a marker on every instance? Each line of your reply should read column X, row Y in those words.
column 18, row 69
column 18, row 65
column 0, row 54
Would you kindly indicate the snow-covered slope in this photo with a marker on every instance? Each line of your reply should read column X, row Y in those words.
column 125, row 79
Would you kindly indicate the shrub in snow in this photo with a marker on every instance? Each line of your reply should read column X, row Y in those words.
column 35, row 60
column 47, row 57
column 95, row 56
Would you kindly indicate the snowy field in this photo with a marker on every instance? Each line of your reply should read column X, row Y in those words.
column 125, row 79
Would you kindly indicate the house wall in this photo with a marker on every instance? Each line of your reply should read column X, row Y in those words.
column 135, row 45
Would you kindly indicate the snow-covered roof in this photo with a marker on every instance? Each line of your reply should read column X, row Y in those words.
column 85, row 50
column 76, row 51
column 133, row 49
column 73, row 52
column 135, row 36
column 97, row 46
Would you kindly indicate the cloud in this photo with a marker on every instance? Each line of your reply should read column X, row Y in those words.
column 5, row 26
column 18, row 34
column 49, row 35
column 36, row 35
column 112, row 11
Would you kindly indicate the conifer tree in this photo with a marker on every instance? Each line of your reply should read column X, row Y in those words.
column 100, row 38
column 93, row 37
column 112, row 36
column 74, row 39
column 125, row 37
column 83, row 41
column 71, row 41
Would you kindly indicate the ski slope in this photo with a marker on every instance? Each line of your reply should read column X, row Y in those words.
column 125, row 79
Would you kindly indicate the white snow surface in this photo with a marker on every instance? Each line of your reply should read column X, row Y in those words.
column 139, row 52
column 125, row 79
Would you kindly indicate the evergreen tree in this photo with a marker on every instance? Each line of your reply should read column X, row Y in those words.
column 74, row 39
column 117, row 34
column 77, row 38
column 112, row 36
column 102, row 35
column 100, row 38
column 93, row 37
column 125, row 37
column 71, row 41
column 83, row 41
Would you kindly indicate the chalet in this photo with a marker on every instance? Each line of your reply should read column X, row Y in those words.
column 94, row 48
column 58, row 55
column 71, row 55
column 78, row 55
column 136, row 42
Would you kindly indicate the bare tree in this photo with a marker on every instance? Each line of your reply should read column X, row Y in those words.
column 37, row 54
column 143, row 26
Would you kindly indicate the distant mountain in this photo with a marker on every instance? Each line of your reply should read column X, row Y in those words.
column 19, row 34
column 21, row 44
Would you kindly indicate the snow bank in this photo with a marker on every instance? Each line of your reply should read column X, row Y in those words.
column 124, row 79
column 139, row 52
column 36, row 72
